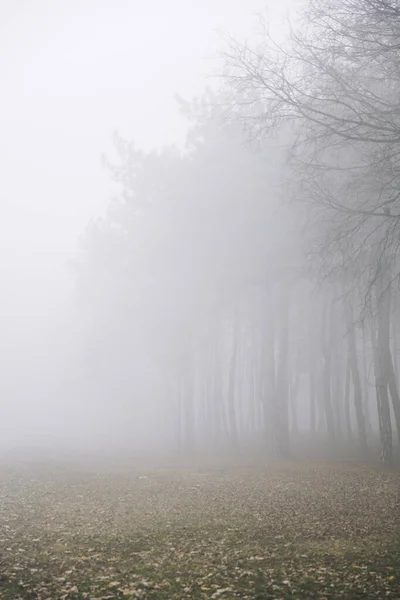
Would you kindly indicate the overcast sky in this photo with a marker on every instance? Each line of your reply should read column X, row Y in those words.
column 72, row 72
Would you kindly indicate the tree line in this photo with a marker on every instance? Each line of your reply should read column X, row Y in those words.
column 256, row 272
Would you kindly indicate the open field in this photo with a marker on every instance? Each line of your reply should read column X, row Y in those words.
column 287, row 532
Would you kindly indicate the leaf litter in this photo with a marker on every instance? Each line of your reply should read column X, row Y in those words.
column 290, row 532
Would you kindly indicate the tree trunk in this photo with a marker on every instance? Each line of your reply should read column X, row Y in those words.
column 347, row 415
column 326, row 353
column 232, row 381
column 337, row 368
column 251, row 417
column 220, row 418
column 258, row 376
column 188, row 405
column 312, row 366
column 395, row 340
column 382, row 398
column 366, row 383
column 283, row 373
column 355, row 375
column 179, row 404
column 213, row 421
column 394, row 393
column 293, row 392
column 384, row 314
column 271, row 414
column 385, row 426
column 321, row 417
column 312, row 403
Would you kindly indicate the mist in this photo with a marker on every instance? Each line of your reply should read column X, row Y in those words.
column 70, row 80
column 199, row 250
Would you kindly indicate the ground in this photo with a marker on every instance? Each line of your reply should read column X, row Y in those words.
column 321, row 531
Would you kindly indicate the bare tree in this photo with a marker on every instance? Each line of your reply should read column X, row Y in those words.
column 331, row 94
column 355, row 375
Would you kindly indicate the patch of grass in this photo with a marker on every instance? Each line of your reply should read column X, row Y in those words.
column 287, row 532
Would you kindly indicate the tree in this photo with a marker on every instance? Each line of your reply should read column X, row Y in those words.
column 180, row 254
column 332, row 94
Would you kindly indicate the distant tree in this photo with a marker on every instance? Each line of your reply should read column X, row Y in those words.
column 178, row 256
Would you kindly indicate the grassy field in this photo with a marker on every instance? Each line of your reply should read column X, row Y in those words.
column 327, row 531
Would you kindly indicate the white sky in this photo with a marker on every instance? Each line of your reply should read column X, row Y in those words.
column 73, row 71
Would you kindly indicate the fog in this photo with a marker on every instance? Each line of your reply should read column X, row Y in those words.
column 71, row 77
column 199, row 315
column 175, row 248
